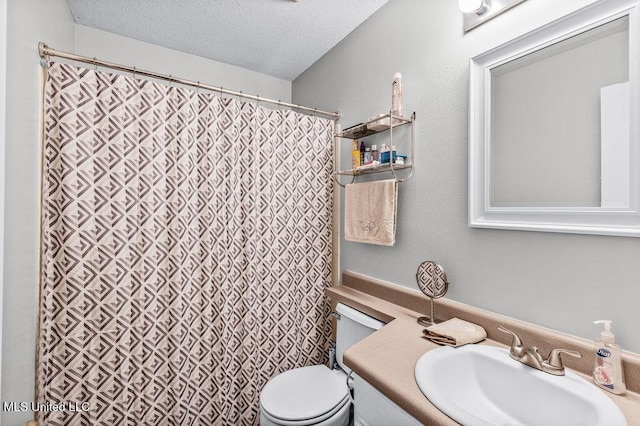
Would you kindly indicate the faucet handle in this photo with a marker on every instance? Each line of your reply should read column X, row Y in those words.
column 553, row 365
column 555, row 360
column 516, row 344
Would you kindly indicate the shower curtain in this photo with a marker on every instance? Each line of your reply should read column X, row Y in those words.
column 186, row 246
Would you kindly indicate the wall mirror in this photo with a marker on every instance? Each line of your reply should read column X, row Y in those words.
column 554, row 127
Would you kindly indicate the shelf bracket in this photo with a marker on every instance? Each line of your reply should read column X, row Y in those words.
column 335, row 175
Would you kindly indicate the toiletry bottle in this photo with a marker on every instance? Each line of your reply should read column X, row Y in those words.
column 384, row 154
column 355, row 155
column 367, row 155
column 607, row 372
column 362, row 152
column 396, row 95
column 375, row 155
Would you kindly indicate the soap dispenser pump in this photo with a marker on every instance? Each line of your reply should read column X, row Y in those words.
column 607, row 371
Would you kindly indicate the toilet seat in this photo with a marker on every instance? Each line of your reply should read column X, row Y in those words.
column 305, row 396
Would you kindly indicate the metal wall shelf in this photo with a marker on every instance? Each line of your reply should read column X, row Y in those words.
column 370, row 170
column 369, row 128
column 384, row 123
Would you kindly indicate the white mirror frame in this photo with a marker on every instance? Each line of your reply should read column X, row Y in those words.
column 583, row 220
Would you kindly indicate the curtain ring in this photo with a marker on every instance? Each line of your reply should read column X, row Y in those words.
column 95, row 64
column 198, row 87
column 240, row 97
column 133, row 73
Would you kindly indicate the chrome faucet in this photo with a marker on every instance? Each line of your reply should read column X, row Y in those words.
column 530, row 356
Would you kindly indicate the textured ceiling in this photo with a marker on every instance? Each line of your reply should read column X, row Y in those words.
column 280, row 38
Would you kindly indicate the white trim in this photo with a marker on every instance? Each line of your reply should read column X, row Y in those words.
column 600, row 221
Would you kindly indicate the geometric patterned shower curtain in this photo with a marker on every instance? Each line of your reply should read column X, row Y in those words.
column 186, row 246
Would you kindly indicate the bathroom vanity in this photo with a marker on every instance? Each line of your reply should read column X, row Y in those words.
column 385, row 361
column 373, row 408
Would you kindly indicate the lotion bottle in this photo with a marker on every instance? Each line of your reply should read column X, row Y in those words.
column 397, row 94
column 607, row 371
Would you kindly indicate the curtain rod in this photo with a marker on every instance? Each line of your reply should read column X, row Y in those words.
column 46, row 51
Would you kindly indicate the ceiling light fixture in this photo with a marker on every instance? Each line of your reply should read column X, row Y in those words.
column 476, row 12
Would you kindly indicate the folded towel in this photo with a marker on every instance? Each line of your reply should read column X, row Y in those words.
column 370, row 212
column 455, row 332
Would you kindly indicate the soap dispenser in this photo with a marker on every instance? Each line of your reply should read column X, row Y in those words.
column 607, row 372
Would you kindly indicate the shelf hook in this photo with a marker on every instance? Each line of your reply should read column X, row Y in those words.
column 335, row 176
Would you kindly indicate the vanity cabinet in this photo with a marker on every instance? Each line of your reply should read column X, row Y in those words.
column 372, row 408
column 377, row 125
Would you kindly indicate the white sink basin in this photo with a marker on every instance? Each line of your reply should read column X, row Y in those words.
column 482, row 385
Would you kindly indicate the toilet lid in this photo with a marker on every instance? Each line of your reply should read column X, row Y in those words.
column 304, row 393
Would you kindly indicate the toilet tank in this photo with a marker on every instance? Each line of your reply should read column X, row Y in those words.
column 352, row 327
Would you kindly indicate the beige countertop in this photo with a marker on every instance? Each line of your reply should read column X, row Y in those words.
column 387, row 358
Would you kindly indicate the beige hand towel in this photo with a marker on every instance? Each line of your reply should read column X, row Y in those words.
column 370, row 212
column 455, row 332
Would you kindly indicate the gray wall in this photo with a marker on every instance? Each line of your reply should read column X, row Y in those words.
column 3, row 68
column 560, row 281
column 112, row 47
column 31, row 21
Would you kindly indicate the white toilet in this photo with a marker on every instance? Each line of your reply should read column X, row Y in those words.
column 317, row 395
